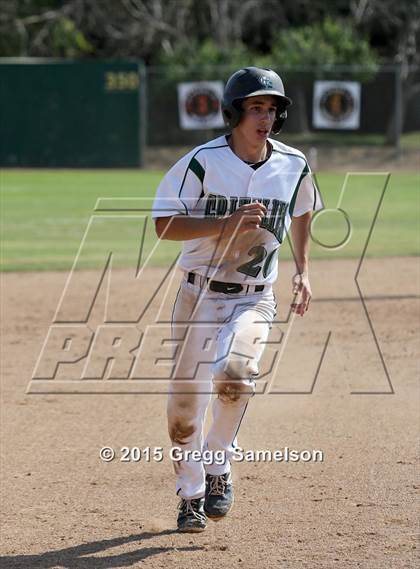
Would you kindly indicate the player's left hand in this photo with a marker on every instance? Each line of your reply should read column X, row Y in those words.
column 302, row 293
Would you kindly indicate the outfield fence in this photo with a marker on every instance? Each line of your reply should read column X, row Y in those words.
column 102, row 114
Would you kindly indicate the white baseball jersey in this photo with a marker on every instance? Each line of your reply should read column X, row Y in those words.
column 212, row 181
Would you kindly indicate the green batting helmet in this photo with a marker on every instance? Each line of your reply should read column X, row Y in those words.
column 249, row 82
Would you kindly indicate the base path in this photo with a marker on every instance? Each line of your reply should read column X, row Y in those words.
column 344, row 383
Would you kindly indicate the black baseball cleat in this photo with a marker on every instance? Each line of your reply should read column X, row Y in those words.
column 219, row 495
column 191, row 517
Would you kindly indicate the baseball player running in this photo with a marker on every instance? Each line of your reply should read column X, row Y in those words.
column 231, row 201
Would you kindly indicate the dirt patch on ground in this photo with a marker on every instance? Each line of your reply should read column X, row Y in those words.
column 331, row 390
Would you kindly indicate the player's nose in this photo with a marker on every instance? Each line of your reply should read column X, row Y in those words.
column 266, row 117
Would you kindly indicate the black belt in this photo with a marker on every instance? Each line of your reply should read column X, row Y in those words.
column 226, row 288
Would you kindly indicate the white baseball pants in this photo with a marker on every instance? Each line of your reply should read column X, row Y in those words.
column 220, row 339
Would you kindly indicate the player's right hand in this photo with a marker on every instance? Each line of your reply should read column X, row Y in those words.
column 246, row 217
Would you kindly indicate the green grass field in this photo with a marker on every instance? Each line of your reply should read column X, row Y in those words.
column 45, row 214
column 408, row 140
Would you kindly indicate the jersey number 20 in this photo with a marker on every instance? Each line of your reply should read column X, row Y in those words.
column 253, row 267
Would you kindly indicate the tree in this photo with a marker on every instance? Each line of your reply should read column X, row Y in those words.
column 323, row 44
column 394, row 28
column 206, row 59
column 318, row 48
column 145, row 28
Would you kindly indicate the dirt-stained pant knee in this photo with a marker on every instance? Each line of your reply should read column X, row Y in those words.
column 233, row 380
column 184, row 417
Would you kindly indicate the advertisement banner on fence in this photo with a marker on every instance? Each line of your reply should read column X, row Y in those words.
column 336, row 104
column 199, row 105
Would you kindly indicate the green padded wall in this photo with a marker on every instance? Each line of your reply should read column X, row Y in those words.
column 71, row 114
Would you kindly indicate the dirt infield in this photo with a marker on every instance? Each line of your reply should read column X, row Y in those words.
column 64, row 508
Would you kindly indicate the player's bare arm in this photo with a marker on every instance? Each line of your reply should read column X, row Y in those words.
column 300, row 283
column 183, row 228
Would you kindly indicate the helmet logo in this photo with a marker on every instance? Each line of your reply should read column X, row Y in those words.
column 266, row 82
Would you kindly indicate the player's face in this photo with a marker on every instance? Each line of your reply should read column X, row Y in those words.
column 259, row 114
